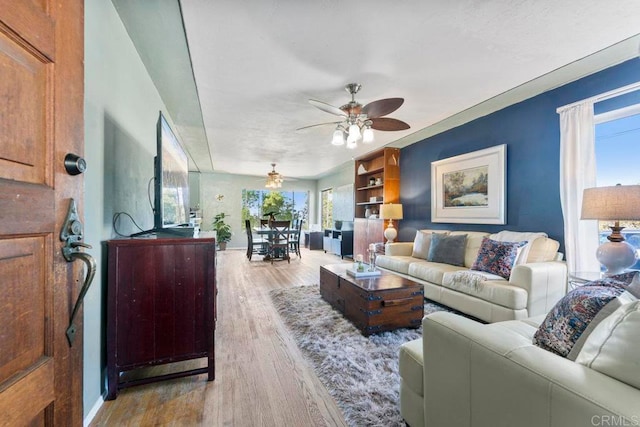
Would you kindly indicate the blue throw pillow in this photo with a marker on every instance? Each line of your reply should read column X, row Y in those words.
column 447, row 249
column 497, row 257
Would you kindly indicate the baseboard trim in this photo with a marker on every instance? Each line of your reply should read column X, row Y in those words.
column 92, row 413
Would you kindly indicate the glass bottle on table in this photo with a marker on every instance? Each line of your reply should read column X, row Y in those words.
column 372, row 256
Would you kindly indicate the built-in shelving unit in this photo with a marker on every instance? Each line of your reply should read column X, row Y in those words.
column 377, row 181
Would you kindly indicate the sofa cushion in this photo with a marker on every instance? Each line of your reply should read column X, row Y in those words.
column 495, row 289
column 520, row 327
column 631, row 283
column 613, row 346
column 411, row 365
column 422, row 242
column 535, row 321
column 572, row 315
column 447, row 249
column 603, row 314
column 474, row 241
column 543, row 249
column 432, row 271
column 518, row 236
column 497, row 257
column 397, row 263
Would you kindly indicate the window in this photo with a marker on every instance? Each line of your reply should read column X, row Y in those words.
column 617, row 145
column 287, row 205
column 326, row 203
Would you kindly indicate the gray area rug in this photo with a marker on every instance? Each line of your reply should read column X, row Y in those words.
column 361, row 373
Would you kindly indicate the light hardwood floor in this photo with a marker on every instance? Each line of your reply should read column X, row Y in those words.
column 262, row 378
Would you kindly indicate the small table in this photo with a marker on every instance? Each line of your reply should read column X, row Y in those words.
column 579, row 278
column 373, row 304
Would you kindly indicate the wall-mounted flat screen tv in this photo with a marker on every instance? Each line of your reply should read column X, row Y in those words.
column 171, row 179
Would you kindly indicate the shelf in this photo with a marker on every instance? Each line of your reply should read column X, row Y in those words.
column 379, row 202
column 372, row 171
column 370, row 187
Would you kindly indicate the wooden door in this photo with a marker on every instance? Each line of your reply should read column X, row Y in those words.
column 41, row 120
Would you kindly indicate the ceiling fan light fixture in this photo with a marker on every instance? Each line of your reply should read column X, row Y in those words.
column 354, row 132
column 338, row 136
column 358, row 121
column 274, row 179
column 352, row 141
column 367, row 134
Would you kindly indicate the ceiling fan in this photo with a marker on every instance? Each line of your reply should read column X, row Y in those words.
column 358, row 121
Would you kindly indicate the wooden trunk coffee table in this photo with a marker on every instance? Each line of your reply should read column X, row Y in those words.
column 373, row 304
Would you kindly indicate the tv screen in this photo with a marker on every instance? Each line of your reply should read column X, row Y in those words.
column 172, row 179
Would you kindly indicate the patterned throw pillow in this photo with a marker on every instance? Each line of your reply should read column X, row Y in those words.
column 572, row 315
column 447, row 249
column 497, row 257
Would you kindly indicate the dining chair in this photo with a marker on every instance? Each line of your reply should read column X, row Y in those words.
column 278, row 241
column 255, row 245
column 294, row 237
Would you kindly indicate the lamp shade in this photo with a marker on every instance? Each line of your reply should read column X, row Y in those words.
column 615, row 203
column 338, row 137
column 391, row 211
column 354, row 132
column 367, row 135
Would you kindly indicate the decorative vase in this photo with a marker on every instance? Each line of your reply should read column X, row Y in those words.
column 338, row 225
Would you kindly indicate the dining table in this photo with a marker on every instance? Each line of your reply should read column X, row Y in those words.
column 266, row 231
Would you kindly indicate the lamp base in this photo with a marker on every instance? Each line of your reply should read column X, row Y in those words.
column 390, row 233
column 616, row 257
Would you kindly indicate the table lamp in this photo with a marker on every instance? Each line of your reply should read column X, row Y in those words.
column 616, row 203
column 391, row 211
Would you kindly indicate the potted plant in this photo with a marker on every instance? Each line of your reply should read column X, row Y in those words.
column 223, row 231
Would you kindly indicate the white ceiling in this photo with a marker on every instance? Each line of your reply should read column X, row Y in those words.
column 257, row 62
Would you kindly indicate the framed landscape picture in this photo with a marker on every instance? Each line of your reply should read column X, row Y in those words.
column 470, row 188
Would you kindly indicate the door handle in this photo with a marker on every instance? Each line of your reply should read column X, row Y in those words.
column 71, row 235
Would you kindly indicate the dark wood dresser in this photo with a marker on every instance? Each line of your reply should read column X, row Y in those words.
column 161, row 307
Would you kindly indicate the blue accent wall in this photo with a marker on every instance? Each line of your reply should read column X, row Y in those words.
column 531, row 131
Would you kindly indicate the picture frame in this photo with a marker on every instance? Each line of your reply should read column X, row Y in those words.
column 470, row 188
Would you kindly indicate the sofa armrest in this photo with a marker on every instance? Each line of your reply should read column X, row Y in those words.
column 545, row 283
column 477, row 375
column 399, row 248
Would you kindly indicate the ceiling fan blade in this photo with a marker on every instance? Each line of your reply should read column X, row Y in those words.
column 382, row 107
column 389, row 124
column 327, row 108
column 319, row 124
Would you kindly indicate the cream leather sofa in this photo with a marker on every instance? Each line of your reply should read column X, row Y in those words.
column 477, row 375
column 536, row 283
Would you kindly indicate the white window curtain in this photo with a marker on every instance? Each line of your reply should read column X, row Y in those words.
column 577, row 172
